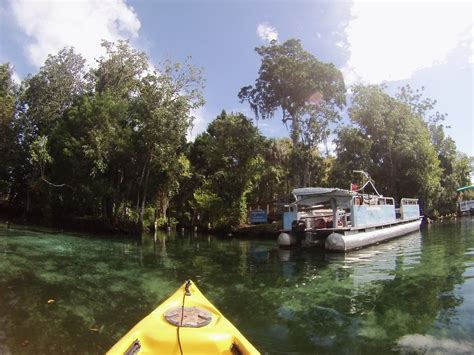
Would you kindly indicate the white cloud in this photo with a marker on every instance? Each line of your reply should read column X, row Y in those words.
column 54, row 24
column 266, row 32
column 389, row 40
column 200, row 124
column 16, row 78
column 328, row 147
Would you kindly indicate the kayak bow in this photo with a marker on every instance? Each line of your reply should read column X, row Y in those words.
column 186, row 323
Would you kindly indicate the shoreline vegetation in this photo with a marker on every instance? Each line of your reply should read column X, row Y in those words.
column 268, row 231
column 97, row 228
column 103, row 148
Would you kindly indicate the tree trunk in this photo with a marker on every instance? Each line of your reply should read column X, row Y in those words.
column 109, row 209
column 163, row 202
column 295, row 132
column 27, row 199
column 140, row 184
column 392, row 173
column 306, row 172
column 145, row 188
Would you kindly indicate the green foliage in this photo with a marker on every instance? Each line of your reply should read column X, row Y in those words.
column 226, row 158
column 120, row 70
column 455, row 166
column 114, row 137
column 163, row 117
column 7, row 96
column 110, row 143
column 211, row 208
column 402, row 146
column 288, row 78
column 309, row 93
column 39, row 152
column 149, row 218
column 52, row 91
column 353, row 153
column 8, row 145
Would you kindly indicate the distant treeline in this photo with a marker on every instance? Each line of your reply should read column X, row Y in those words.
column 107, row 146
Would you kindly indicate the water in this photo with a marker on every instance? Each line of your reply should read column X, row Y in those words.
column 413, row 294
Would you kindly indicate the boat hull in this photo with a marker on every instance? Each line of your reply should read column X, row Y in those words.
column 287, row 239
column 344, row 242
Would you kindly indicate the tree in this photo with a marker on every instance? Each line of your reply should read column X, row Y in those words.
column 8, row 144
column 7, row 95
column 42, row 101
column 273, row 174
column 308, row 92
column 392, row 143
column 121, row 70
column 48, row 94
column 455, row 166
column 114, row 137
column 225, row 158
column 93, row 151
column 163, row 117
column 138, row 117
column 353, row 153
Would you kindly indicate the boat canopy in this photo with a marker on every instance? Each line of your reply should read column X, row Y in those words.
column 310, row 196
column 461, row 189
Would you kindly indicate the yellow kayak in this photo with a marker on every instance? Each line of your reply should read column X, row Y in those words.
column 186, row 323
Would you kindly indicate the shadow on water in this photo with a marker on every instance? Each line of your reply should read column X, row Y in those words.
column 412, row 294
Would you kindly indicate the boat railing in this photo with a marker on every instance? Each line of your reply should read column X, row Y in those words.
column 325, row 221
column 409, row 208
column 409, row 201
column 372, row 200
column 466, row 206
column 372, row 209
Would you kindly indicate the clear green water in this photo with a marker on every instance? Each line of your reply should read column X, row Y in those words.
column 413, row 294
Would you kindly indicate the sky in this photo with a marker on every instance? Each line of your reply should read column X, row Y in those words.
column 424, row 43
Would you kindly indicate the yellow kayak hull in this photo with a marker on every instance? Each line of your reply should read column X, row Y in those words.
column 155, row 335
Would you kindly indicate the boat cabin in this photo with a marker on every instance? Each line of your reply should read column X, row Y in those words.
column 317, row 208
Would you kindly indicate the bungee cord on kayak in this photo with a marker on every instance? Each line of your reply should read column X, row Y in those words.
column 186, row 293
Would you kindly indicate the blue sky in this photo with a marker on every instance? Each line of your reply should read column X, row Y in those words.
column 428, row 43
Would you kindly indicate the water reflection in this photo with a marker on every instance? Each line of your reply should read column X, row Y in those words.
column 377, row 299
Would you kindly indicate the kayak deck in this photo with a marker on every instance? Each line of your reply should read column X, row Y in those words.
column 203, row 330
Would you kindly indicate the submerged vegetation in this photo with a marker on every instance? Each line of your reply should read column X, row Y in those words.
column 106, row 148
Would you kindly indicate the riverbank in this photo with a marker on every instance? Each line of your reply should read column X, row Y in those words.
column 76, row 225
column 127, row 230
column 130, row 229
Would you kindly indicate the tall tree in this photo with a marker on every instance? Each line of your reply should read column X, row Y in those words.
column 121, row 70
column 308, row 92
column 116, row 135
column 393, row 143
column 163, row 117
column 9, row 149
column 7, row 94
column 353, row 153
column 48, row 94
column 455, row 166
column 272, row 181
column 92, row 149
column 225, row 157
